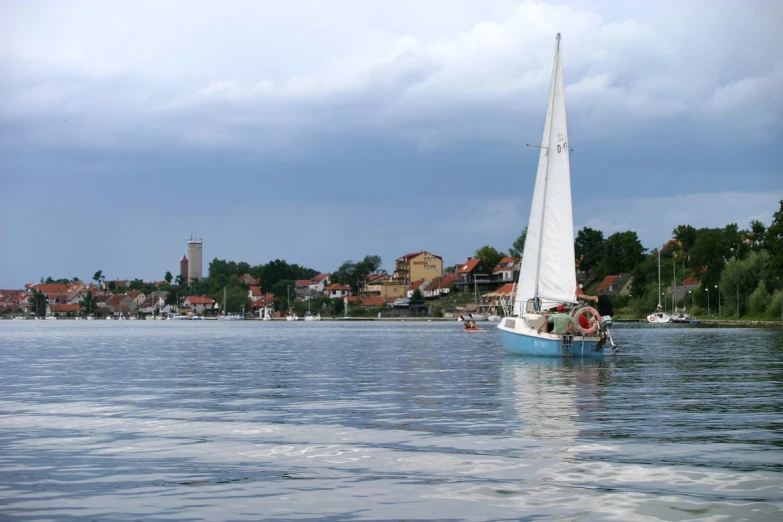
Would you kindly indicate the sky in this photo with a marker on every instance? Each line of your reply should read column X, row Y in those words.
column 321, row 132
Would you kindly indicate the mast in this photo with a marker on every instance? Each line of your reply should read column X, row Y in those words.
column 550, row 110
column 659, row 277
column 547, row 271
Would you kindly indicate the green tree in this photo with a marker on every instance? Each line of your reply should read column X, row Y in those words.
column 759, row 300
column 89, row 304
column 490, row 256
column 518, row 248
column 354, row 274
column 622, row 252
column 236, row 298
column 756, row 234
column 686, row 235
column 168, row 277
column 739, row 279
column 40, row 303
column 417, row 298
column 98, row 277
column 711, row 251
column 589, row 247
column 179, row 280
column 773, row 243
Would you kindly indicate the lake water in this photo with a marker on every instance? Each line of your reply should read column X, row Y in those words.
column 253, row 420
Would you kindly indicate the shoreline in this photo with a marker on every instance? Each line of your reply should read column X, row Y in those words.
column 702, row 322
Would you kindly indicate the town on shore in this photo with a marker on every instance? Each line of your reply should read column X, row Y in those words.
column 712, row 273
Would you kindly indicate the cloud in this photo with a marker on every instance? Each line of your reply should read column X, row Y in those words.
column 435, row 89
column 332, row 130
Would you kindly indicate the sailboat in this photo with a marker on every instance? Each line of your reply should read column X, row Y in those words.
column 659, row 316
column 547, row 281
column 224, row 316
column 308, row 315
column 291, row 315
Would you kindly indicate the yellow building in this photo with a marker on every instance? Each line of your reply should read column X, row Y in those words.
column 416, row 266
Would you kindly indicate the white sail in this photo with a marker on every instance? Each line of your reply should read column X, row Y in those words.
column 548, row 271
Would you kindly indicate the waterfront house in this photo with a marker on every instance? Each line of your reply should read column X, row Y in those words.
column 337, row 291
column 138, row 296
column 198, row 303
column 319, row 282
column 65, row 310
column 254, row 293
column 507, row 270
column 416, row 266
column 249, row 280
column 421, row 285
column 616, row 284
column 472, row 274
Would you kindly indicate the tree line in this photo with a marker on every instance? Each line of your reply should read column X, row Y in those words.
column 742, row 268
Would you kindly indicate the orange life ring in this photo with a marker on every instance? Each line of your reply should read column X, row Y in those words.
column 592, row 312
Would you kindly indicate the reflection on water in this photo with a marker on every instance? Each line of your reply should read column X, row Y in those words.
column 554, row 397
column 249, row 421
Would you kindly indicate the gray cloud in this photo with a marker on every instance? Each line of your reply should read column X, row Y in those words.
column 346, row 113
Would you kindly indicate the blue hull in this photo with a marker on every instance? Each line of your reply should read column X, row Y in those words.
column 528, row 345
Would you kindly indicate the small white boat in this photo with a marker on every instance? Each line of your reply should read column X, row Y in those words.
column 494, row 318
column 659, row 316
column 292, row 317
column 681, row 317
column 310, row 317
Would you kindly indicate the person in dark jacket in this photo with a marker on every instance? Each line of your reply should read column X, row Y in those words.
column 603, row 303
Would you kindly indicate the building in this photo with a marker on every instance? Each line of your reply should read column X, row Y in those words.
column 183, row 268
column 416, row 266
column 194, row 260
column 198, row 303
column 507, row 270
column 337, row 291
column 472, row 274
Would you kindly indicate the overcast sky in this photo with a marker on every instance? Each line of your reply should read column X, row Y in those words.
column 319, row 132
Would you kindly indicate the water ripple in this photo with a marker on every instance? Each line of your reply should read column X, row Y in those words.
column 382, row 421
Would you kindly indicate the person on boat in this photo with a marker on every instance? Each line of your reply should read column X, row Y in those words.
column 603, row 303
column 557, row 323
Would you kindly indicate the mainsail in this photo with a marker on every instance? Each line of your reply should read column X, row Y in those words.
column 548, row 272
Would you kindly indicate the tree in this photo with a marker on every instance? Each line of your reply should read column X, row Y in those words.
column 589, row 247
column 281, row 290
column 236, row 298
column 168, row 277
column 40, row 302
column 354, row 274
column 756, row 234
column 622, row 252
column 711, row 251
column 179, row 280
column 98, row 277
column 686, row 235
column 89, row 304
column 739, row 279
column 490, row 256
column 417, row 298
column 773, row 243
column 518, row 248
